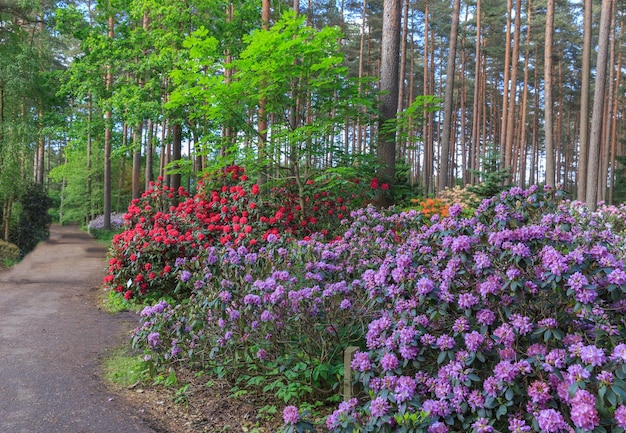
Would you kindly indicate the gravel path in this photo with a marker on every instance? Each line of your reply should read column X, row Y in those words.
column 53, row 339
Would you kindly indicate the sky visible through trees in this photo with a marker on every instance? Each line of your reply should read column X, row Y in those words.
column 99, row 98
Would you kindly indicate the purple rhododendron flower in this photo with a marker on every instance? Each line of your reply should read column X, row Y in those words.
column 185, row 276
column 445, row 342
column 389, row 361
column 539, row 392
column 154, row 339
column 619, row 353
column 577, row 281
column 550, row 421
column 467, row 300
column 481, row 425
column 491, row 386
column 584, row 414
column 404, row 389
column 291, row 415
column 592, row 355
column 361, row 362
column 425, row 286
column 620, row 416
column 481, row 260
column 438, row 427
column 517, row 425
column 485, row 317
column 617, row 276
column 522, row 324
column 379, row 407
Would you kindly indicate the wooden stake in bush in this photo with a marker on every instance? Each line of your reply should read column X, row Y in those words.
column 348, row 355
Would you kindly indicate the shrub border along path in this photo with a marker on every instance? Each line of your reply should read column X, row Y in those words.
column 53, row 339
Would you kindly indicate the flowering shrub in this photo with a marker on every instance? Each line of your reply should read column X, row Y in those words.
column 117, row 222
column 228, row 209
column 296, row 422
column 431, row 206
column 280, row 316
column 612, row 218
column 458, row 195
column 513, row 322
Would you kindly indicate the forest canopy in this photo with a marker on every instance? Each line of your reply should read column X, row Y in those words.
column 98, row 99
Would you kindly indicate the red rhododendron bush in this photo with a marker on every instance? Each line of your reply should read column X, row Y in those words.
column 166, row 225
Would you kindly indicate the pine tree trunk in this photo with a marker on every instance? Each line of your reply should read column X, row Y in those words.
column 476, row 112
column 521, row 148
column 583, row 150
column 616, row 105
column 511, row 124
column 506, row 84
column 550, row 171
column 593, row 167
column 389, row 98
column 448, row 103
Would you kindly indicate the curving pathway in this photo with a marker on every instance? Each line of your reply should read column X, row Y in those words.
column 53, row 339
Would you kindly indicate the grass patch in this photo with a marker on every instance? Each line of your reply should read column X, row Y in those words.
column 7, row 263
column 113, row 302
column 124, row 370
column 105, row 236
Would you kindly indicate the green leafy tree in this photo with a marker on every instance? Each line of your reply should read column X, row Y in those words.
column 299, row 74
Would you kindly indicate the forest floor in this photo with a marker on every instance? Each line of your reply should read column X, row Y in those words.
column 202, row 409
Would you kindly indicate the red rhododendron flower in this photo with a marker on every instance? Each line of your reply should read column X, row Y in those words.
column 384, row 186
column 255, row 189
column 374, row 183
column 128, row 295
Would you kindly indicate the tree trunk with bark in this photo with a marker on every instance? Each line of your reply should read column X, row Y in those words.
column 389, row 98
column 448, row 103
column 593, row 167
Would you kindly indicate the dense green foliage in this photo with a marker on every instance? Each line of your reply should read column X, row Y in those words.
column 34, row 219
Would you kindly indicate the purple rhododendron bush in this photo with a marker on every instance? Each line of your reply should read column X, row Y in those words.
column 512, row 320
